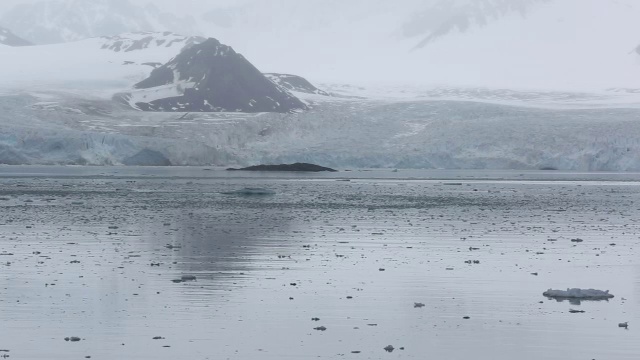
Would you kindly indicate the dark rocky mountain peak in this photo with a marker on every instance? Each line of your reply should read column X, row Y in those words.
column 210, row 77
column 9, row 38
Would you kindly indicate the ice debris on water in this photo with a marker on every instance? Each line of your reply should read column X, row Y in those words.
column 251, row 192
column 576, row 293
column 624, row 325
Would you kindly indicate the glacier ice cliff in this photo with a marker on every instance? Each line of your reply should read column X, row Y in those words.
column 338, row 132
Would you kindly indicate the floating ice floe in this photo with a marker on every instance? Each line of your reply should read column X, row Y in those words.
column 251, row 191
column 575, row 293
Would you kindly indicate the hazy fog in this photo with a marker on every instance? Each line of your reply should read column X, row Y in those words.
column 536, row 44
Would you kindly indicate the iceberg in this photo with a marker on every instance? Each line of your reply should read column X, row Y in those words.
column 575, row 293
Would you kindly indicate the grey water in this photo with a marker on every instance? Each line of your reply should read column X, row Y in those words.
column 99, row 253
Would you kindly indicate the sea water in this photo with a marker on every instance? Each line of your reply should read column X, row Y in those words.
column 320, row 266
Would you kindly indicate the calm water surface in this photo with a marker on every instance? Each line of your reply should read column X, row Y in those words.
column 92, row 252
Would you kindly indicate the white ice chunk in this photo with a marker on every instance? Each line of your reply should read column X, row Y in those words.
column 576, row 293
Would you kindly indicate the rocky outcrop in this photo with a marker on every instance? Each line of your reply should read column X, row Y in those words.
column 149, row 40
column 10, row 39
column 295, row 83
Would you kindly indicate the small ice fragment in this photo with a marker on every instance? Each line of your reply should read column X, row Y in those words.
column 624, row 324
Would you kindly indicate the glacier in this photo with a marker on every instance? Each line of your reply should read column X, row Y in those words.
column 367, row 131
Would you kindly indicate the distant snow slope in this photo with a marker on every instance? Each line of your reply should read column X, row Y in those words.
column 10, row 39
column 93, row 67
column 47, row 22
column 445, row 17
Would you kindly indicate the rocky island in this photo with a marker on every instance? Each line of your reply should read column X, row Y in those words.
column 299, row 167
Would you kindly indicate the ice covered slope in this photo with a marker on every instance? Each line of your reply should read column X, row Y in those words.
column 92, row 67
column 55, row 21
column 10, row 39
column 211, row 77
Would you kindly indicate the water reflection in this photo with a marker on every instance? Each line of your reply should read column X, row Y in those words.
column 575, row 301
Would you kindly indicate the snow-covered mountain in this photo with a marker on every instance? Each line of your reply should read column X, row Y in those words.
column 101, row 67
column 446, row 17
column 10, row 39
column 48, row 22
column 211, row 77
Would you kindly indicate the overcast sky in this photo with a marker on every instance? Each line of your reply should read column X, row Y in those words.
column 176, row 6
column 471, row 42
